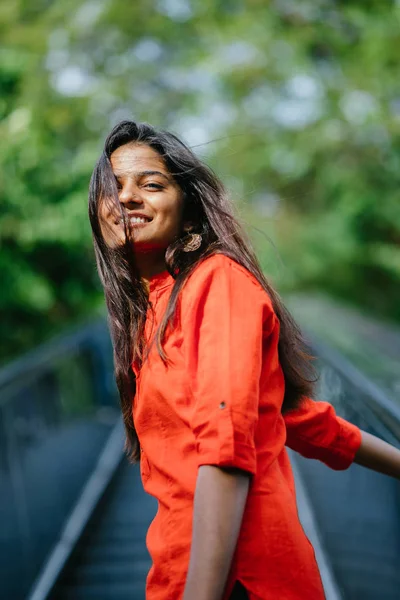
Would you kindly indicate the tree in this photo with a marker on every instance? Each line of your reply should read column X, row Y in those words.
column 295, row 104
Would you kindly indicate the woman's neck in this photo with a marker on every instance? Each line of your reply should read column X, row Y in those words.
column 149, row 265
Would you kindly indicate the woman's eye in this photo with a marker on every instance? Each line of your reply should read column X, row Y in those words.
column 154, row 186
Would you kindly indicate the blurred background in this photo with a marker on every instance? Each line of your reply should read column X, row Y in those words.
column 296, row 106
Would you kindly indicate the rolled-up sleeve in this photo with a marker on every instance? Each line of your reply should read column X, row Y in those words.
column 226, row 320
column 314, row 430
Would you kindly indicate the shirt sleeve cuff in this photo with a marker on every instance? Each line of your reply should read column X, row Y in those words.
column 244, row 458
column 348, row 442
column 340, row 454
column 227, row 444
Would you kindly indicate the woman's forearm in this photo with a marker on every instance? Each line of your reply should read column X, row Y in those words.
column 377, row 455
column 219, row 503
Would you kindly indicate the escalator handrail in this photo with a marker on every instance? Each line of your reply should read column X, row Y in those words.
column 28, row 367
column 378, row 400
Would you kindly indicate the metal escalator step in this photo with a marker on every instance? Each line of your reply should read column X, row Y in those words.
column 111, row 560
column 116, row 591
column 128, row 551
column 118, row 535
column 124, row 572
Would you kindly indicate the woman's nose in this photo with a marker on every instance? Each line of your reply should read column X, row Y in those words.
column 128, row 195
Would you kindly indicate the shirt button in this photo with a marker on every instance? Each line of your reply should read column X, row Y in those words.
column 222, row 405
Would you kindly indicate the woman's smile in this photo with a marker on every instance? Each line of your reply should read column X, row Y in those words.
column 135, row 220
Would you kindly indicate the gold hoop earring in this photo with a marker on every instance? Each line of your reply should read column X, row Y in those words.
column 193, row 243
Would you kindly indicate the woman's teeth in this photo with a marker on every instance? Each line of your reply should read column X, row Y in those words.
column 133, row 220
column 138, row 220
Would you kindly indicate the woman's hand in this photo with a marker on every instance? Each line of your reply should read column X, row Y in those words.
column 377, row 455
column 219, row 503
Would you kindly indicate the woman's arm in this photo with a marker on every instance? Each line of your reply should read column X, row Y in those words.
column 316, row 431
column 219, row 503
column 377, row 455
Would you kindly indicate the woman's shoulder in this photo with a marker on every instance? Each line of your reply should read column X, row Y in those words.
column 220, row 264
column 220, row 271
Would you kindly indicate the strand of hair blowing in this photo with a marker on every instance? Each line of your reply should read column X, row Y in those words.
column 207, row 206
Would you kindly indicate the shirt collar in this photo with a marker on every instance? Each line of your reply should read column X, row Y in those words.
column 159, row 281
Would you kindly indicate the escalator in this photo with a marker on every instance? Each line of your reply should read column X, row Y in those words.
column 111, row 561
column 73, row 511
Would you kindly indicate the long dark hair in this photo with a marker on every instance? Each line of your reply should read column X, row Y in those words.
column 207, row 206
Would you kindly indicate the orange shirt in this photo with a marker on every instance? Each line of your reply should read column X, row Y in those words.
column 218, row 402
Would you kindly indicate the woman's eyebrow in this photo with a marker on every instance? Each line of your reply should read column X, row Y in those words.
column 139, row 174
column 143, row 173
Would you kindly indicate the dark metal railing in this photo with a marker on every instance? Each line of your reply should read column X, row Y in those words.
column 357, row 510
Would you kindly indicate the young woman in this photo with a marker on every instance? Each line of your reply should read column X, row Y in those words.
column 213, row 379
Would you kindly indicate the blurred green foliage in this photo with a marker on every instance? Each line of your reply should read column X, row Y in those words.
column 296, row 104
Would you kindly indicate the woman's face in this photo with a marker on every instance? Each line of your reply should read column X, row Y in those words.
column 149, row 196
